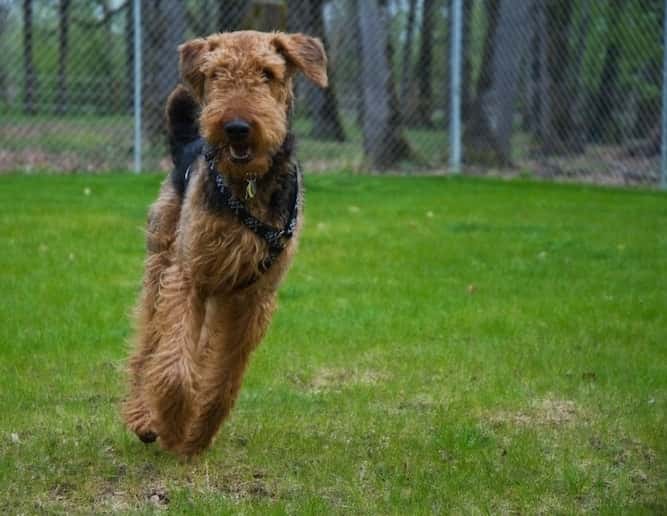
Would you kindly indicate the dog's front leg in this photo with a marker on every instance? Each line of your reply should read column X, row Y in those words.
column 234, row 327
column 160, row 235
column 170, row 376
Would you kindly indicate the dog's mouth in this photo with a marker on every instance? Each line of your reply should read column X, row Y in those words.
column 240, row 152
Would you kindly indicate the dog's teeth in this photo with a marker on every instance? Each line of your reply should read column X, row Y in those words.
column 235, row 155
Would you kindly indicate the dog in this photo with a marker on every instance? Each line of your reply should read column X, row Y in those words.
column 222, row 233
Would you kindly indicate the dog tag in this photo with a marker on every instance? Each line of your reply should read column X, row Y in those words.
column 250, row 189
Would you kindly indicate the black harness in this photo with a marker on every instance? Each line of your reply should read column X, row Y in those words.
column 275, row 238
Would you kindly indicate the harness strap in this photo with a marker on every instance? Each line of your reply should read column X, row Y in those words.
column 276, row 238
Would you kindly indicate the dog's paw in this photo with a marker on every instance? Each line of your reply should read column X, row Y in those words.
column 147, row 437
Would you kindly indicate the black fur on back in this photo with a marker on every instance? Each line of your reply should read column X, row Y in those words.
column 185, row 143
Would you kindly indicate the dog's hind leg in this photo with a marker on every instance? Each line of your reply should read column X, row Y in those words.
column 234, row 327
column 170, row 376
column 160, row 235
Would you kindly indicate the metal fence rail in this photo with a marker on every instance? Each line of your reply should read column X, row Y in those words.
column 562, row 89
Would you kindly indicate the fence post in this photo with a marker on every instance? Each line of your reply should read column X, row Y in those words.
column 455, row 83
column 663, row 172
column 136, row 6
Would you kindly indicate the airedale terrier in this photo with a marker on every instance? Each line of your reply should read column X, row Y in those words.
column 221, row 234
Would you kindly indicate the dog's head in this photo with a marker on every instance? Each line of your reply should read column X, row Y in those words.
column 243, row 82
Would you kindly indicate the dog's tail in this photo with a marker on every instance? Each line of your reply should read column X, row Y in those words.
column 185, row 142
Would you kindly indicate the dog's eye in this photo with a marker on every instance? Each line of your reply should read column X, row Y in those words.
column 268, row 74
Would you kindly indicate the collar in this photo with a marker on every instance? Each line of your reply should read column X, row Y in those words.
column 276, row 238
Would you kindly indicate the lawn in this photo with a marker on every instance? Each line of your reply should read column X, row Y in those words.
column 442, row 345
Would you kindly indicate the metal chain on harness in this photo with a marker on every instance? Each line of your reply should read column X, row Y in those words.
column 276, row 239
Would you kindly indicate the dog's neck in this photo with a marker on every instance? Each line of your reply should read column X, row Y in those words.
column 238, row 184
column 274, row 189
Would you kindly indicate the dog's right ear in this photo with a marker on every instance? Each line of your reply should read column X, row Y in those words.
column 191, row 60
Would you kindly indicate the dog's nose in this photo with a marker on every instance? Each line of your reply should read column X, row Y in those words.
column 237, row 129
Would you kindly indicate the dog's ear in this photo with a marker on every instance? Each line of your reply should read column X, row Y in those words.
column 191, row 59
column 305, row 53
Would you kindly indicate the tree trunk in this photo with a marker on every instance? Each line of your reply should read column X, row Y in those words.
column 559, row 133
column 531, row 112
column 354, row 23
column 384, row 145
column 603, row 126
column 407, row 55
column 28, row 66
column 577, row 76
column 4, row 17
column 423, row 70
column 108, row 97
column 394, row 105
column 129, row 56
column 63, row 30
column 649, row 106
column 488, row 134
column 231, row 14
column 199, row 19
column 466, row 86
column 321, row 104
column 268, row 15
column 163, row 30
column 649, row 109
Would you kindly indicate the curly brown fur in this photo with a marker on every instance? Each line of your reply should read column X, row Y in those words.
column 206, row 303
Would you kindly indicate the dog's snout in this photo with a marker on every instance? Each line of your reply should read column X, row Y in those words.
column 237, row 129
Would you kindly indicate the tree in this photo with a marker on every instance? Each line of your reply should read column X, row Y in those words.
column 163, row 28
column 605, row 100
column 129, row 56
column 384, row 144
column 231, row 14
column 423, row 69
column 4, row 18
column 558, row 128
column 352, row 19
column 535, row 99
column 30, row 76
column 110, row 101
column 321, row 104
column 407, row 52
column 466, row 99
column 267, row 15
column 488, row 133
column 63, row 30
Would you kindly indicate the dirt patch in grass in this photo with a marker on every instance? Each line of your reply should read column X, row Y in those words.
column 333, row 379
column 626, row 467
column 240, row 488
column 422, row 402
column 237, row 484
column 542, row 412
column 112, row 500
column 633, row 467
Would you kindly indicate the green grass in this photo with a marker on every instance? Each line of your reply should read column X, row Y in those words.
column 442, row 345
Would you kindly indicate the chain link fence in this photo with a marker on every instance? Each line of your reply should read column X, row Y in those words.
column 563, row 89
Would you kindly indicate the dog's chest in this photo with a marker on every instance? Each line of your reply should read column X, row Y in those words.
column 223, row 247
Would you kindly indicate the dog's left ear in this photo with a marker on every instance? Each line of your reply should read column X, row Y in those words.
column 191, row 57
column 305, row 53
